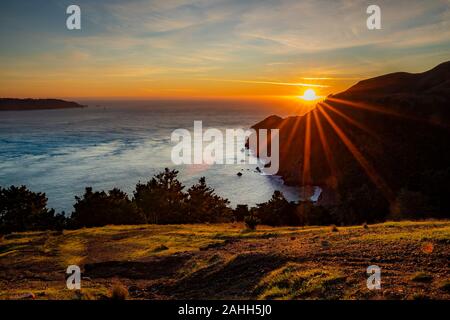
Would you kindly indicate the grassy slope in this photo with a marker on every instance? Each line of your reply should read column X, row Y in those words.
column 222, row 261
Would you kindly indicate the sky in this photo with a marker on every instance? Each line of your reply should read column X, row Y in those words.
column 212, row 48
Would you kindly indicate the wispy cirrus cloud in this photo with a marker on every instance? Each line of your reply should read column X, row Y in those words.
column 177, row 43
column 289, row 84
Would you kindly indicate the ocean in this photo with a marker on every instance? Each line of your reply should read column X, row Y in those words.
column 119, row 143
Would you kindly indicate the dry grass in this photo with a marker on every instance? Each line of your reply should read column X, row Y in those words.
column 293, row 281
column 119, row 292
column 221, row 261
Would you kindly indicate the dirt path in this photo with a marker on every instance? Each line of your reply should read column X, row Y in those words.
column 287, row 263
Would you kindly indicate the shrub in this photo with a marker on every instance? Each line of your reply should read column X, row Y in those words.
column 119, row 292
column 251, row 221
column 161, row 200
column 277, row 211
column 96, row 209
column 203, row 205
column 410, row 205
column 311, row 214
column 240, row 212
column 23, row 210
column 363, row 204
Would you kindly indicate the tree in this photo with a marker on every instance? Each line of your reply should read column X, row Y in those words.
column 411, row 205
column 311, row 214
column 277, row 211
column 23, row 210
column 363, row 204
column 203, row 205
column 241, row 212
column 97, row 209
column 251, row 220
column 434, row 186
column 161, row 199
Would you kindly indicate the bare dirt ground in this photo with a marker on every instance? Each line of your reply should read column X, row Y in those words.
column 225, row 262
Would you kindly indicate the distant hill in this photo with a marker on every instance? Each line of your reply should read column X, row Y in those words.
column 433, row 82
column 399, row 123
column 9, row 104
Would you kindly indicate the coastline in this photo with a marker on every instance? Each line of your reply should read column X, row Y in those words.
column 13, row 104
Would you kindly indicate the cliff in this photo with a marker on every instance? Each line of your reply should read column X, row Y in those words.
column 391, row 132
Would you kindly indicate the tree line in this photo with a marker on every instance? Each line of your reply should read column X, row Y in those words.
column 164, row 200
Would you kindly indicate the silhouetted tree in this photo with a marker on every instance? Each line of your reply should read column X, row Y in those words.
column 97, row 209
column 434, row 186
column 161, row 199
column 240, row 212
column 363, row 204
column 203, row 205
column 251, row 220
column 411, row 205
column 311, row 214
column 277, row 211
column 23, row 210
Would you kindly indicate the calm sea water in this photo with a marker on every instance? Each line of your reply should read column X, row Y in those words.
column 117, row 144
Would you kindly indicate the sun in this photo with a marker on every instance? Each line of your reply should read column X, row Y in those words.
column 309, row 95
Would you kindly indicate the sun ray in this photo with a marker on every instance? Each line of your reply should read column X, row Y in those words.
column 306, row 177
column 365, row 106
column 326, row 148
column 351, row 120
column 382, row 110
column 368, row 168
column 293, row 130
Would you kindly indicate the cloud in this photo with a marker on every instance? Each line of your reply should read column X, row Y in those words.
column 289, row 84
column 280, row 41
